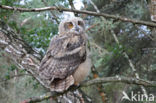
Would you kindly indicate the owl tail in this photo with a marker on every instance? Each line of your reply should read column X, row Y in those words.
column 60, row 85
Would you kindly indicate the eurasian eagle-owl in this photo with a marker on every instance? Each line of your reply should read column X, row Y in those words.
column 67, row 60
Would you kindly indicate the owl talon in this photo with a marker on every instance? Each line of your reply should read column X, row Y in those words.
column 77, row 84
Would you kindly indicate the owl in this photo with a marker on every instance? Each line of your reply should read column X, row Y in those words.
column 67, row 60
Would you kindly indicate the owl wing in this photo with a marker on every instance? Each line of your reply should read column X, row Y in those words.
column 63, row 57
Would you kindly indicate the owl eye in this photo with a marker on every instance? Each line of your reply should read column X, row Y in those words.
column 80, row 23
column 70, row 25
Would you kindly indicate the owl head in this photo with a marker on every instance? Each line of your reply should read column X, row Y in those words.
column 72, row 25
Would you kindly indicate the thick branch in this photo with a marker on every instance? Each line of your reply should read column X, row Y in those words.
column 80, row 11
column 116, row 79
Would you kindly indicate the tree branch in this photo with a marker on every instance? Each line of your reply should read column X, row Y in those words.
column 124, row 19
column 118, row 79
column 96, row 81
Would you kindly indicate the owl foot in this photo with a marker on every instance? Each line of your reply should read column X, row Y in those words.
column 77, row 84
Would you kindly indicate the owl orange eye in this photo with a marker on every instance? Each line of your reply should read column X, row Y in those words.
column 70, row 25
column 79, row 22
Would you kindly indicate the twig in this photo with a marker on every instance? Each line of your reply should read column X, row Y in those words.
column 144, row 32
column 25, row 21
column 134, row 21
column 95, row 7
column 92, row 26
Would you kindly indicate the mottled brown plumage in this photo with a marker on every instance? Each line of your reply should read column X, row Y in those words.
column 66, row 56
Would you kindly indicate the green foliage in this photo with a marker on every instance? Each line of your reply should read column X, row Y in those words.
column 7, row 75
column 12, row 68
column 40, row 35
column 8, row 2
column 9, row 71
column 137, row 10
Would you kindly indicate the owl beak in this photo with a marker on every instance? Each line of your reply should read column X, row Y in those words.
column 77, row 29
